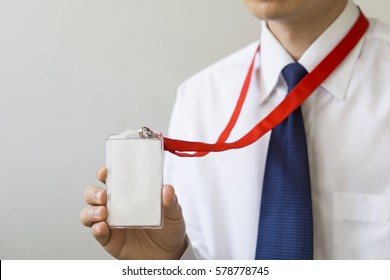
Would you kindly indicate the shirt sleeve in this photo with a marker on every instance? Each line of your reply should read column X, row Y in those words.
column 189, row 253
column 175, row 173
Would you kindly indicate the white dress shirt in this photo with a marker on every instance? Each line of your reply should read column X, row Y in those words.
column 347, row 123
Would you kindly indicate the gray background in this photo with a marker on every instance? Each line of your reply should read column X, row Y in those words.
column 73, row 72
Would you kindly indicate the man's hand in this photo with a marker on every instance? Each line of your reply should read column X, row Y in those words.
column 167, row 243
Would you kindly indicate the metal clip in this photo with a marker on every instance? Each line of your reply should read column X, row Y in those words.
column 145, row 132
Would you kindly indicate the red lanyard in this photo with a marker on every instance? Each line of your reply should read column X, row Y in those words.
column 292, row 101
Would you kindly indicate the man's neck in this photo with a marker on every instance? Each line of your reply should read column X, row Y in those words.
column 296, row 35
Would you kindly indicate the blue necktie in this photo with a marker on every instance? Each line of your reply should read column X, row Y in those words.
column 286, row 220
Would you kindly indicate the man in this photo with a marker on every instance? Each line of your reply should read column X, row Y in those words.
column 346, row 122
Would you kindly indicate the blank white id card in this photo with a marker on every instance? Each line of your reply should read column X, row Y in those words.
column 134, row 181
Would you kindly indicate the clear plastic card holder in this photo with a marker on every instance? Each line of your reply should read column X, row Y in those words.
column 134, row 179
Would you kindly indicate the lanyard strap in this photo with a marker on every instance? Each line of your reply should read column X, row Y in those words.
column 292, row 101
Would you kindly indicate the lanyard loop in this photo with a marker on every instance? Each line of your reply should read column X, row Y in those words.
column 292, row 101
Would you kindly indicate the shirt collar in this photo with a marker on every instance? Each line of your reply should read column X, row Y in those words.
column 274, row 57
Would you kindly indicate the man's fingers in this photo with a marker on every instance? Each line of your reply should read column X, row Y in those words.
column 101, row 232
column 92, row 215
column 172, row 208
column 95, row 196
column 102, row 174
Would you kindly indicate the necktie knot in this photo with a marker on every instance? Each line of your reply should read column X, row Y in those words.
column 293, row 73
